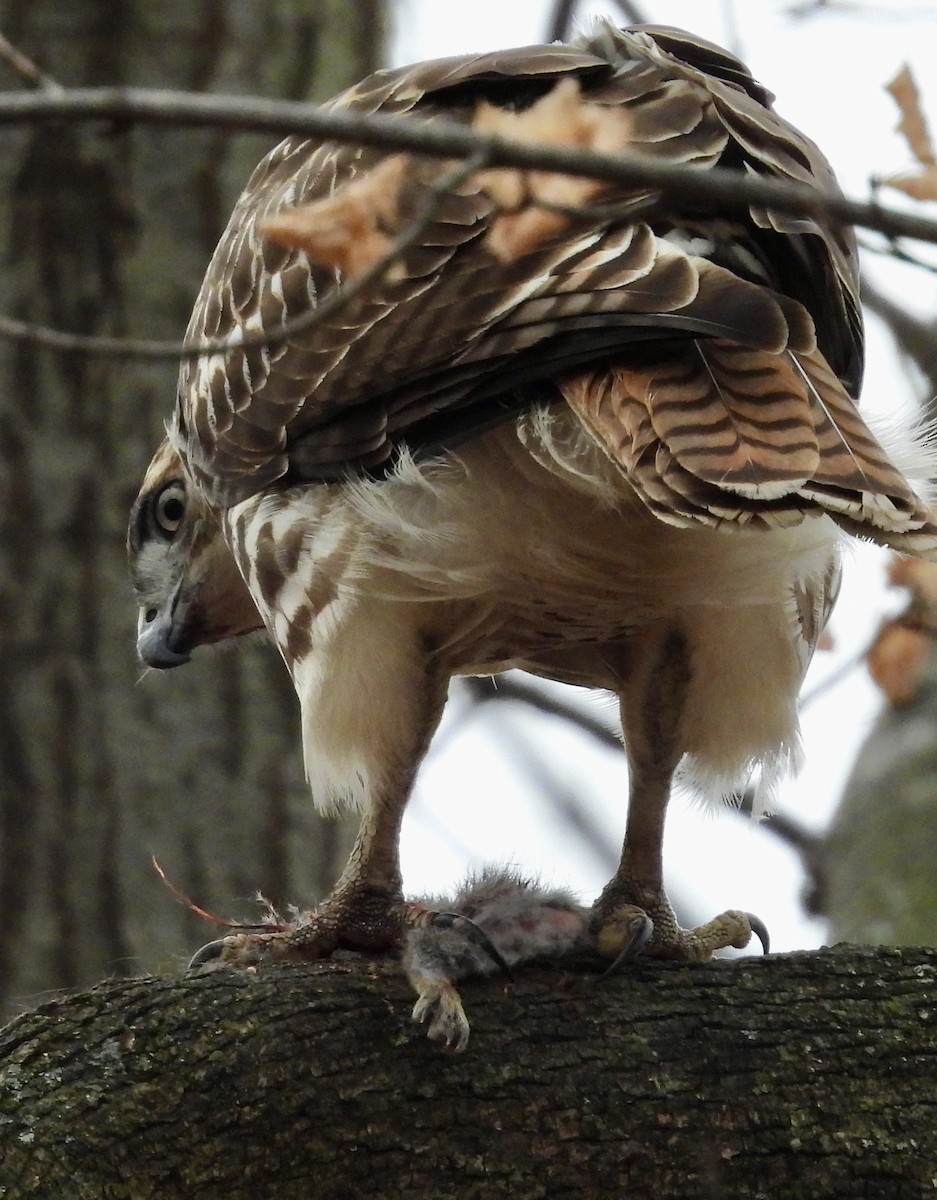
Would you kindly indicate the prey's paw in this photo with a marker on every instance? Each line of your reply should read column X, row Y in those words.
column 439, row 1008
column 496, row 920
column 440, row 947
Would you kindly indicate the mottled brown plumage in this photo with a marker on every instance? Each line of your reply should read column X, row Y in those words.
column 618, row 451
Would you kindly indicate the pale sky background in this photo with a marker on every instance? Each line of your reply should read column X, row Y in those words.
column 472, row 803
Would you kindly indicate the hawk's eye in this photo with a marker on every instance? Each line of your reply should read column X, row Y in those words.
column 169, row 508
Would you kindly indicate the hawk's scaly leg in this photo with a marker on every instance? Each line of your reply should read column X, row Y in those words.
column 392, row 729
column 633, row 913
column 363, row 912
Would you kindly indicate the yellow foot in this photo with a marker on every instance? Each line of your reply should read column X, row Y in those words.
column 628, row 920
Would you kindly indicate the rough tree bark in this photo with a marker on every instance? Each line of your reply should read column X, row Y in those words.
column 806, row 1075
column 109, row 232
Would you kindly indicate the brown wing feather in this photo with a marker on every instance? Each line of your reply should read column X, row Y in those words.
column 856, row 478
column 458, row 328
column 734, row 417
column 711, row 357
column 715, row 433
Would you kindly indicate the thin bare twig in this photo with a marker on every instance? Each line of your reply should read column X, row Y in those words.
column 897, row 252
column 116, row 347
column 408, row 236
column 732, row 38
column 483, row 690
column 631, row 12
column 842, row 8
column 154, row 349
column 56, row 339
column 914, row 337
column 834, row 679
column 26, row 68
column 599, row 214
column 561, row 21
column 562, row 797
column 716, row 187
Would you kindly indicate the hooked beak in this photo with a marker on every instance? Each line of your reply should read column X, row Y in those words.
column 161, row 637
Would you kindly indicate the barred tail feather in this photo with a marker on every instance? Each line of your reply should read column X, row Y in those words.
column 712, row 432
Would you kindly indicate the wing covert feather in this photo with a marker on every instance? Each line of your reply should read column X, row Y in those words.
column 716, row 434
column 713, row 357
column 453, row 305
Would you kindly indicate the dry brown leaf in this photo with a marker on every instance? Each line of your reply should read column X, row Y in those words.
column 913, row 123
column 354, row 228
column 896, row 660
column 560, row 118
column 920, row 185
column 916, row 574
column 344, row 229
column 901, row 648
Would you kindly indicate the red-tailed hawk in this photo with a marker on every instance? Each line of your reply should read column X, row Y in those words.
column 615, row 446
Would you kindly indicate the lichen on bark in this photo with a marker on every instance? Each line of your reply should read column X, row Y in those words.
column 801, row 1075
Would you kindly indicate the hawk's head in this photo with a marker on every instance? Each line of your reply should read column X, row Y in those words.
column 189, row 590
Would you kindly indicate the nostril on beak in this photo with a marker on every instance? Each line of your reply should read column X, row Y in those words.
column 150, row 615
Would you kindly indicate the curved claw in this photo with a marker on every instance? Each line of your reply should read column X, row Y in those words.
column 207, row 953
column 475, row 933
column 760, row 930
column 642, row 930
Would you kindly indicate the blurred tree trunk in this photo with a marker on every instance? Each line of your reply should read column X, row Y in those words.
column 108, row 232
column 877, row 858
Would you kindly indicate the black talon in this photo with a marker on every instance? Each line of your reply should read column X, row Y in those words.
column 206, row 954
column 475, row 933
column 643, row 932
column 760, row 930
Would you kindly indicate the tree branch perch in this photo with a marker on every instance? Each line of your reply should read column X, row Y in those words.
column 806, row 1075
